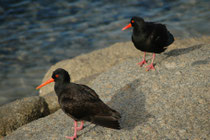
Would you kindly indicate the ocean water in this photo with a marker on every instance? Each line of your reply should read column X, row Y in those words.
column 35, row 34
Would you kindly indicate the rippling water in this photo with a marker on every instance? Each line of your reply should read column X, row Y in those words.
column 36, row 34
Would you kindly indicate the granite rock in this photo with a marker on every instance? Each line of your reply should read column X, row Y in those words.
column 87, row 67
column 169, row 103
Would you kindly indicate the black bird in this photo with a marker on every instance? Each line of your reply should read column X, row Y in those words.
column 149, row 37
column 81, row 103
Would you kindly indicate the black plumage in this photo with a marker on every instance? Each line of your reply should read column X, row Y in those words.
column 82, row 103
column 149, row 37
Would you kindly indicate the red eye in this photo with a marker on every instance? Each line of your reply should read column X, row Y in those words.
column 132, row 21
column 56, row 75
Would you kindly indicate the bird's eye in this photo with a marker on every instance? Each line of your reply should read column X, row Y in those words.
column 56, row 75
column 132, row 21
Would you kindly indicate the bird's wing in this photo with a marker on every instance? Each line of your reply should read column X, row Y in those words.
column 83, row 103
column 158, row 33
column 89, row 90
column 95, row 104
column 80, row 101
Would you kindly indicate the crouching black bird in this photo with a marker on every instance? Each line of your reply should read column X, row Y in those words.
column 81, row 103
column 149, row 37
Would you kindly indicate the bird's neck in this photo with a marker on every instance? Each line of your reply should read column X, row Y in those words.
column 59, row 87
column 137, row 30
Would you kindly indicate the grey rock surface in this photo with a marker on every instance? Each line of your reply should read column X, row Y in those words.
column 52, row 102
column 20, row 112
column 169, row 103
column 85, row 68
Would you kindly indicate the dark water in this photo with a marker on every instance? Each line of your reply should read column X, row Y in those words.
column 35, row 34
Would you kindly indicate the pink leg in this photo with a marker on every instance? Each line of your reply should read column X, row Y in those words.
column 143, row 61
column 75, row 132
column 81, row 126
column 151, row 66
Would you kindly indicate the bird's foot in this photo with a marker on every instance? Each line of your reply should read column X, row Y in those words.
column 151, row 66
column 72, row 138
column 81, row 126
column 142, row 63
column 78, row 128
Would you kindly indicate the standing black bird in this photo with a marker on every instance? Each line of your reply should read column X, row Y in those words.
column 149, row 37
column 81, row 103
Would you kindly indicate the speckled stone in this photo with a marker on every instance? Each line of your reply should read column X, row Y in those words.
column 169, row 103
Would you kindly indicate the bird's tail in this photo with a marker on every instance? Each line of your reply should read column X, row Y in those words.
column 106, row 121
column 170, row 39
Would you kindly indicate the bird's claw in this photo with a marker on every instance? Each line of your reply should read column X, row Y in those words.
column 151, row 66
column 142, row 63
column 78, row 128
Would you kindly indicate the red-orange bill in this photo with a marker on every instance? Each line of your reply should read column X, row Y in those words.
column 45, row 83
column 126, row 27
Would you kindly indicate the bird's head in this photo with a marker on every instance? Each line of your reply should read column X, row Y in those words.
column 59, row 75
column 135, row 22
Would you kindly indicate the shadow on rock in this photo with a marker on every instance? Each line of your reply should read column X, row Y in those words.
column 201, row 62
column 130, row 102
column 177, row 52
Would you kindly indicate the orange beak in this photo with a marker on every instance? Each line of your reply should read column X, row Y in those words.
column 45, row 83
column 126, row 27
